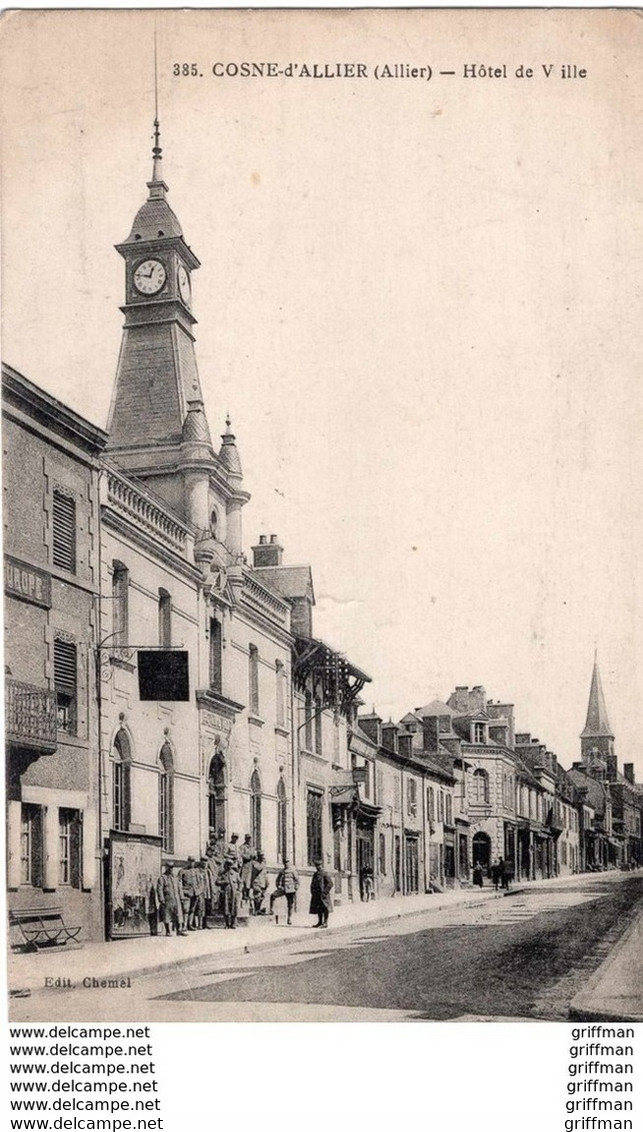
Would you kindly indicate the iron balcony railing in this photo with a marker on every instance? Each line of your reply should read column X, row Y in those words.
column 30, row 715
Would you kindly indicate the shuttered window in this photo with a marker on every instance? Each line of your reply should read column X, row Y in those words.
column 64, row 524
column 282, row 821
column 314, row 811
column 120, row 589
column 253, row 674
column 31, row 845
column 69, row 847
column 216, row 655
column 255, row 809
column 65, row 682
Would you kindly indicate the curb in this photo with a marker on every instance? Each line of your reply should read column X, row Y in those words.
column 298, row 933
column 580, row 1009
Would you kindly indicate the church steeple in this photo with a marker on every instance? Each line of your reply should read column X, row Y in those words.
column 597, row 724
column 597, row 737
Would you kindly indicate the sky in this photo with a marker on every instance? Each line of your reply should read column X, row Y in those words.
column 419, row 301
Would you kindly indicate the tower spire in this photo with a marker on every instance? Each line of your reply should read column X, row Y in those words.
column 597, row 724
column 157, row 185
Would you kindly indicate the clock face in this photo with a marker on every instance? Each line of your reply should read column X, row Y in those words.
column 149, row 277
column 184, row 284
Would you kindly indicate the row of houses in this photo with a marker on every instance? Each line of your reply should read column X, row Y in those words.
column 164, row 689
column 457, row 786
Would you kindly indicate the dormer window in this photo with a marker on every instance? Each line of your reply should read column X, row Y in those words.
column 479, row 733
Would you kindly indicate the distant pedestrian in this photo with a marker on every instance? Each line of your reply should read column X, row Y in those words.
column 287, row 884
column 495, row 875
column 506, row 874
column 478, row 878
column 366, row 884
column 321, row 901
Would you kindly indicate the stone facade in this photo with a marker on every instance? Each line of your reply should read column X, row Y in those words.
column 51, row 544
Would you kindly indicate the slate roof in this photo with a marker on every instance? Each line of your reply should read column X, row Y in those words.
column 289, row 581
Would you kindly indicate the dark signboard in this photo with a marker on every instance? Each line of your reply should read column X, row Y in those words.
column 27, row 582
column 163, row 674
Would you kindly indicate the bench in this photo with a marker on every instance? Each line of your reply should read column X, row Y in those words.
column 41, row 927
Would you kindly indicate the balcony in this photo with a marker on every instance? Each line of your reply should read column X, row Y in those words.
column 30, row 716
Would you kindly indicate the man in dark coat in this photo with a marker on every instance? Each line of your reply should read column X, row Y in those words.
column 248, row 855
column 229, row 883
column 321, row 901
column 188, row 885
column 169, row 901
column 259, row 884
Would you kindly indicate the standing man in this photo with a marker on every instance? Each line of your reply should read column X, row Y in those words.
column 230, row 885
column 233, row 852
column 189, row 895
column 321, row 901
column 248, row 855
column 167, row 895
column 287, row 884
column 259, row 884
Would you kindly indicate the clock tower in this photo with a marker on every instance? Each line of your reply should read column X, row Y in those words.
column 157, row 372
column 157, row 425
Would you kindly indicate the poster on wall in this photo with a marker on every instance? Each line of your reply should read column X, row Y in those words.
column 134, row 868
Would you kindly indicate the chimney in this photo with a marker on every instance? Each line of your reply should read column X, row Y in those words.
column 389, row 736
column 430, row 733
column 405, row 742
column 371, row 725
column 628, row 771
column 459, row 701
column 301, row 617
column 612, row 767
column 478, row 698
column 267, row 553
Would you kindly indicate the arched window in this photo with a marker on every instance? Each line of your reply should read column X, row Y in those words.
column 480, row 785
column 121, row 791
column 255, row 809
column 216, row 796
column 166, row 798
column 165, row 619
column 282, row 821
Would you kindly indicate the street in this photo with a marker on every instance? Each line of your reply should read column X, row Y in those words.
column 523, row 957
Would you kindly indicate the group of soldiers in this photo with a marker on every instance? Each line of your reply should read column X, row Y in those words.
column 227, row 875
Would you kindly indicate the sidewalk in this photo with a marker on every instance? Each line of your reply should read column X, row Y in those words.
column 121, row 958
column 615, row 990
column 616, row 987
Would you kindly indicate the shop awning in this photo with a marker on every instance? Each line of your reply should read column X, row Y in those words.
column 343, row 795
